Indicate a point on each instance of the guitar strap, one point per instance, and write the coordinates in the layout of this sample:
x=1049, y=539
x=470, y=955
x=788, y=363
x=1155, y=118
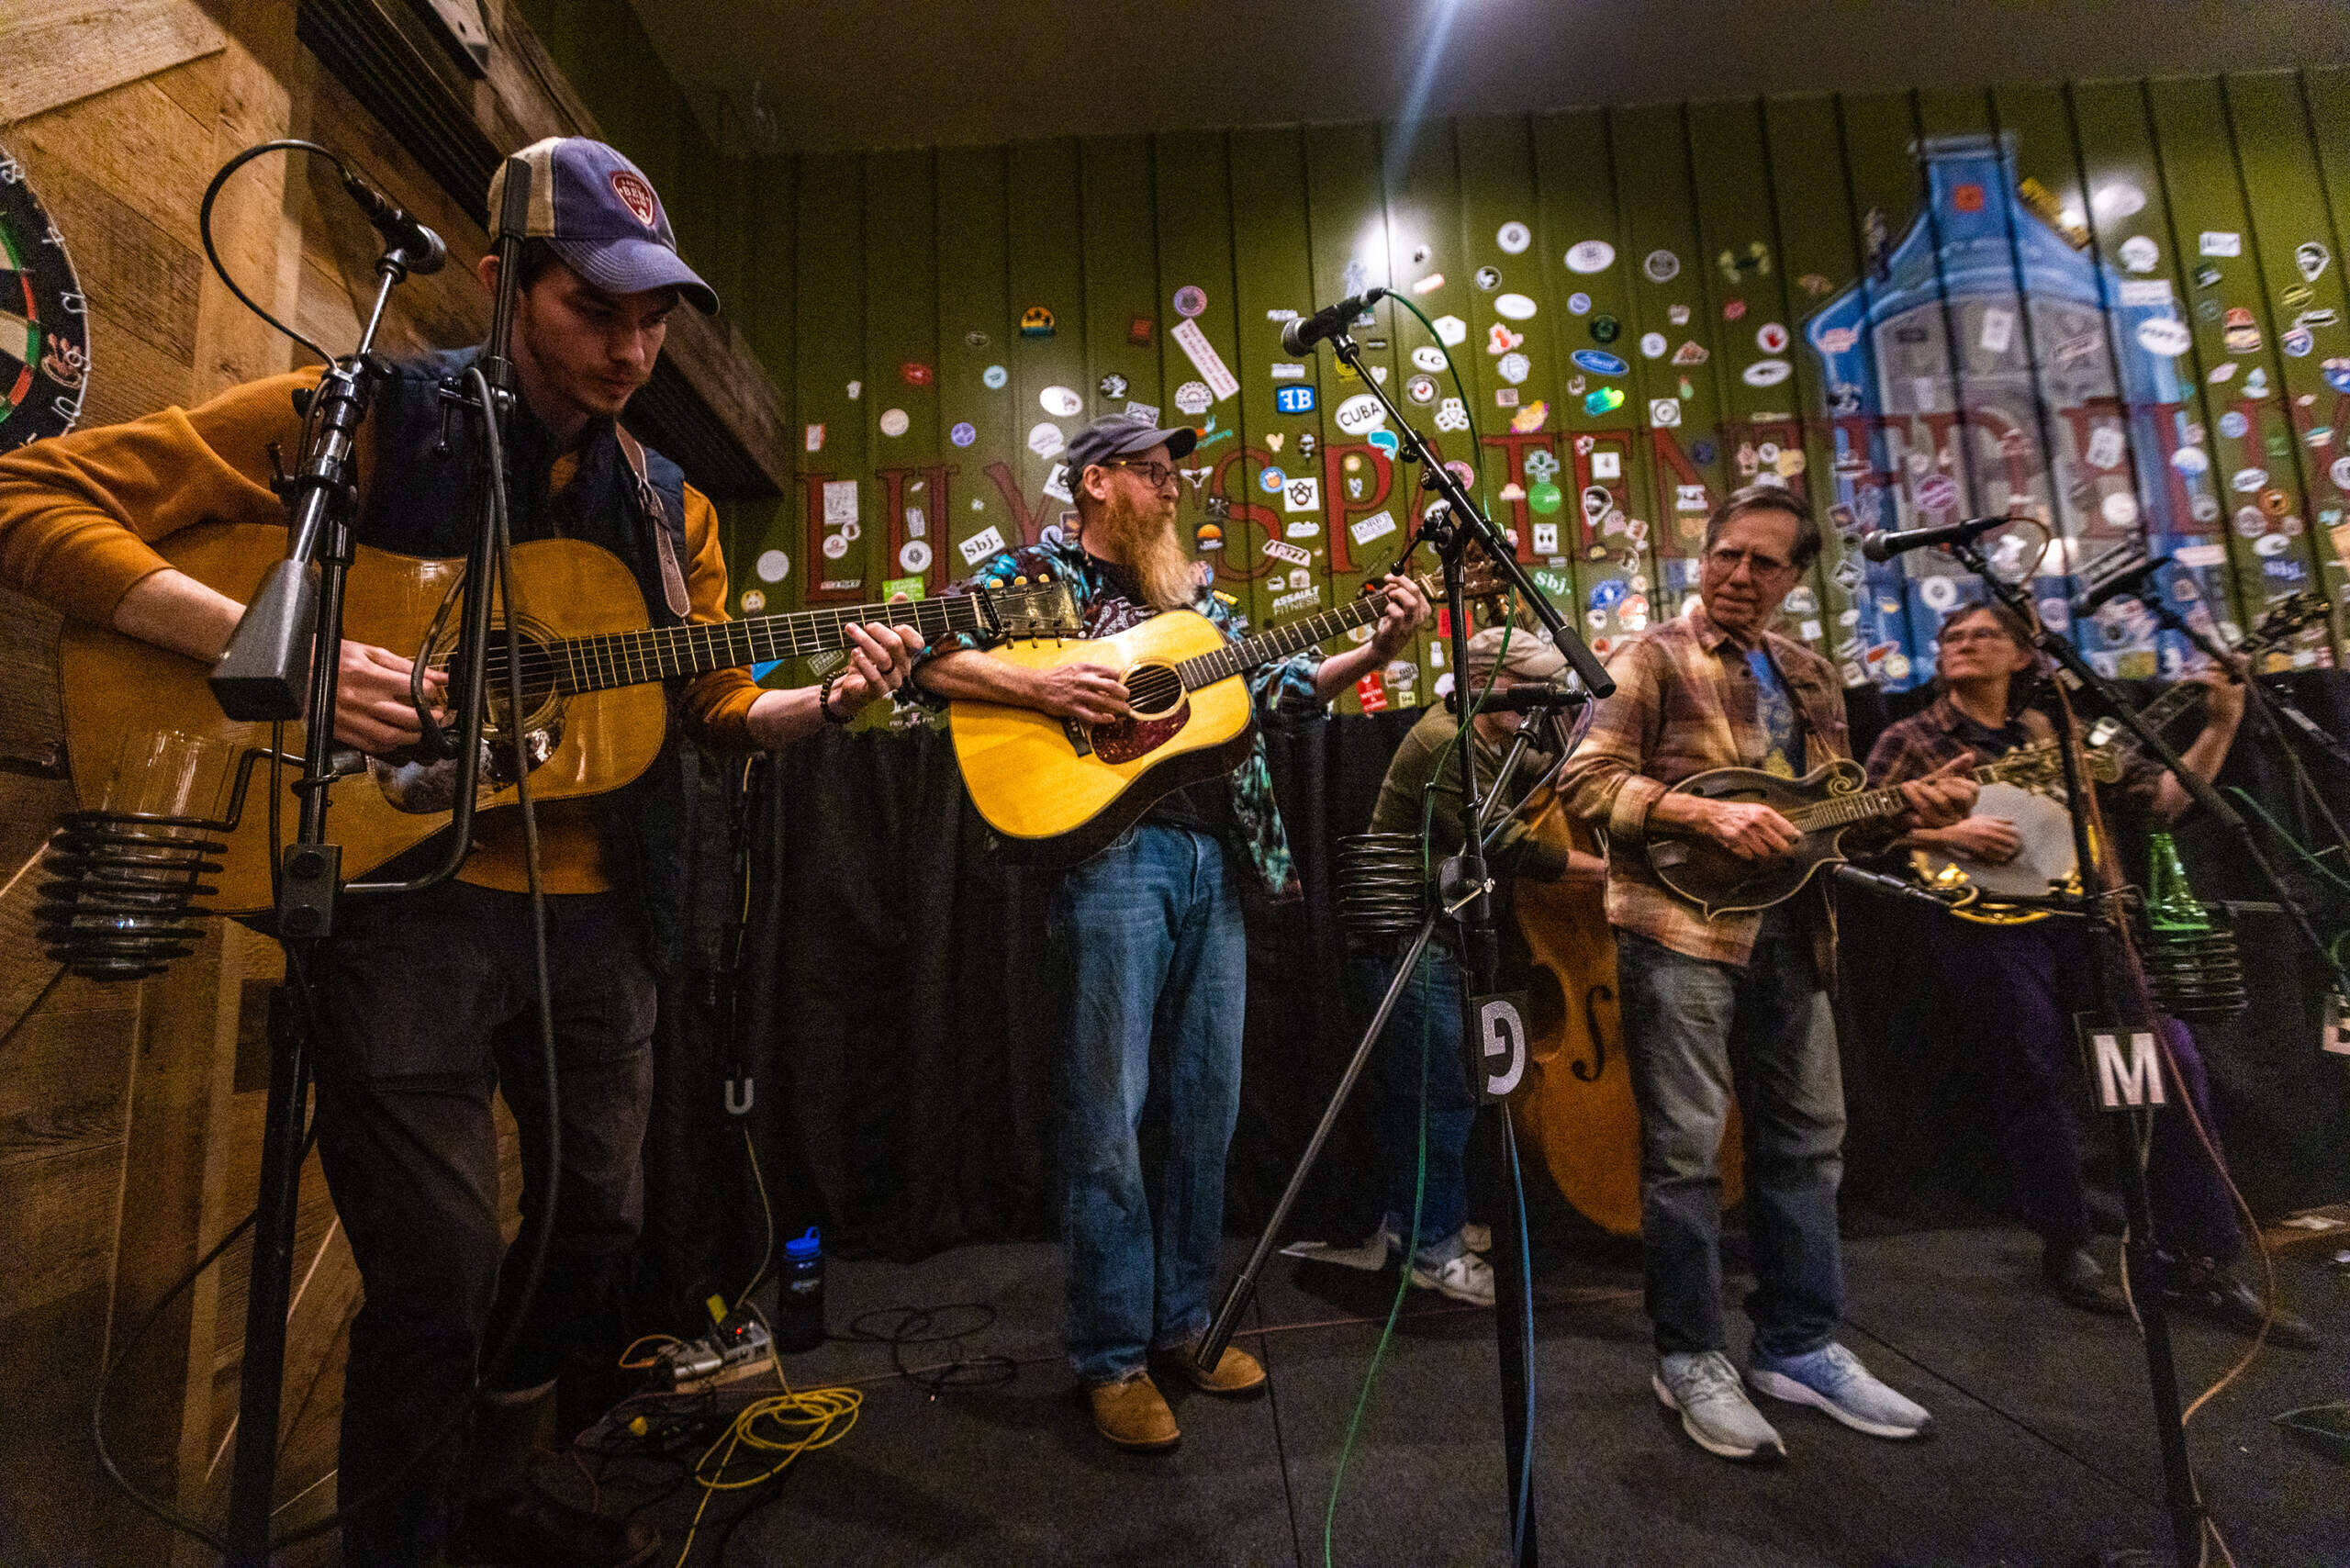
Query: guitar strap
x=656, y=509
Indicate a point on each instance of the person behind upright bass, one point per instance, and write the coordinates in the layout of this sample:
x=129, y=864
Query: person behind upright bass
x=431, y=996
x=1740, y=999
x=1147, y=940
x=2005, y=992
x=1416, y=1073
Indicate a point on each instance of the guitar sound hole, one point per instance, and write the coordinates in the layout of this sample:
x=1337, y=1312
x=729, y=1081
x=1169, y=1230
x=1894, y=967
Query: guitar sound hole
x=1152, y=690
x=538, y=680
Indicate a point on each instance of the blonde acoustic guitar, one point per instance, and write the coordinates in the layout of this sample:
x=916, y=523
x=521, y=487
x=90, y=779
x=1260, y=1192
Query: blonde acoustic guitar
x=592, y=661
x=1058, y=790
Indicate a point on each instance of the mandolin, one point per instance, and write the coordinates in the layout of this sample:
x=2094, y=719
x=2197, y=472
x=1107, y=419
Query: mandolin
x=594, y=713
x=1823, y=806
x=1058, y=790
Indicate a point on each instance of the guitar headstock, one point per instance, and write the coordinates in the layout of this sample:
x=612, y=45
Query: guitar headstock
x=1039, y=612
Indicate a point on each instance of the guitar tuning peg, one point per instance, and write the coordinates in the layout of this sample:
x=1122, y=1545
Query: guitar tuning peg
x=1021, y=581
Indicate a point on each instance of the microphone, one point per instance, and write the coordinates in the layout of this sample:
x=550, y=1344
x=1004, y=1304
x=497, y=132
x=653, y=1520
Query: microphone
x=1529, y=695
x=1302, y=334
x=421, y=250
x=1885, y=546
x=2131, y=578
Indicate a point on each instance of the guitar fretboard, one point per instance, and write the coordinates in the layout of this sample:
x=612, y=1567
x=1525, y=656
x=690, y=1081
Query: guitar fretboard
x=632, y=658
x=1237, y=659
x=1842, y=811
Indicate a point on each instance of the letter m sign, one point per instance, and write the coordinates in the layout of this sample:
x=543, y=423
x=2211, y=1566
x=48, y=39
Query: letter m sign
x=2126, y=1066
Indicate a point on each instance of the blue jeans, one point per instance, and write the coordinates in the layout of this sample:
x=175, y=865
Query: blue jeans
x=1695, y=1031
x=1149, y=945
x=1399, y=1072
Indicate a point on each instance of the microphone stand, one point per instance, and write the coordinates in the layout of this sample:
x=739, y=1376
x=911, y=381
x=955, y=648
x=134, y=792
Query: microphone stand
x=284, y=662
x=1448, y=524
x=2111, y=956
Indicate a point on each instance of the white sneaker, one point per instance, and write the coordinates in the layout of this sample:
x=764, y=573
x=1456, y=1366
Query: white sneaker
x=1466, y=1278
x=1832, y=1379
x=1702, y=1386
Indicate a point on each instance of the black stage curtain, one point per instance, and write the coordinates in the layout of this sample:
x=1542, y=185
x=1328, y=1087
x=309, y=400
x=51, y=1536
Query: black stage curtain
x=893, y=1012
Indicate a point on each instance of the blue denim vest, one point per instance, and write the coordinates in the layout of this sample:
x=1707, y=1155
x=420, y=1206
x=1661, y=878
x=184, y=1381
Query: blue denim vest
x=419, y=502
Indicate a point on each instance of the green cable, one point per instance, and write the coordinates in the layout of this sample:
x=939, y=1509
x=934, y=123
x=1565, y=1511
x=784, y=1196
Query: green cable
x=2295, y=844
x=1420, y=1174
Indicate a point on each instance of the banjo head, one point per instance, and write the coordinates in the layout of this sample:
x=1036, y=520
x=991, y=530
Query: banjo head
x=2046, y=858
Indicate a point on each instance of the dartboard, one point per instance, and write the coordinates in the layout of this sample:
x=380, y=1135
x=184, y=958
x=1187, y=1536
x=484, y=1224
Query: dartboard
x=44, y=332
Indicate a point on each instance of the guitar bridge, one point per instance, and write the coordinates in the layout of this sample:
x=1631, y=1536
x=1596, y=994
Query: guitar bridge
x=1079, y=735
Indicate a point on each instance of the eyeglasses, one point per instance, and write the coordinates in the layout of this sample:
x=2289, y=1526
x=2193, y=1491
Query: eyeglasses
x=1974, y=634
x=1158, y=476
x=1727, y=562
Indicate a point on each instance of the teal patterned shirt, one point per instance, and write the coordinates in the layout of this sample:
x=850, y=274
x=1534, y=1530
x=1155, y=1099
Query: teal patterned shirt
x=1108, y=602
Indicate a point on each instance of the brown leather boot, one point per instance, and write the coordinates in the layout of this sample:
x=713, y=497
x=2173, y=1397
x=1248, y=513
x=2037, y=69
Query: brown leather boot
x=508, y=1520
x=1134, y=1415
x=1237, y=1372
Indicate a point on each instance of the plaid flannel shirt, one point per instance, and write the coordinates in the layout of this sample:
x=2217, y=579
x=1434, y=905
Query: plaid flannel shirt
x=1107, y=603
x=1937, y=732
x=1685, y=702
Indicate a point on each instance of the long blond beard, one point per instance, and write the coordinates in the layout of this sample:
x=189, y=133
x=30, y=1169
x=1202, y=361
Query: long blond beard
x=1144, y=543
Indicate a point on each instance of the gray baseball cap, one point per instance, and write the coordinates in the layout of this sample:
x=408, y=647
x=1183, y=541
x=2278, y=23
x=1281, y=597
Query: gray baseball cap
x=1113, y=436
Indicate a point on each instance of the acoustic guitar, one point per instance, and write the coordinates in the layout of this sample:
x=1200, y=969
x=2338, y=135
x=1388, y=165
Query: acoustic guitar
x=1823, y=806
x=595, y=714
x=1058, y=790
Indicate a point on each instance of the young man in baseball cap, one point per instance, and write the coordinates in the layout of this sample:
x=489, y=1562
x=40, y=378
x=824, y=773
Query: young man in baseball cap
x=429, y=998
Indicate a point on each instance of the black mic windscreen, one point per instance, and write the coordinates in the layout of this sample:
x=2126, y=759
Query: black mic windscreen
x=1291, y=339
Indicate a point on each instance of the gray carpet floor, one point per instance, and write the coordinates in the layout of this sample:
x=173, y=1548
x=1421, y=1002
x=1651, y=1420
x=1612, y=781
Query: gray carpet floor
x=2042, y=1454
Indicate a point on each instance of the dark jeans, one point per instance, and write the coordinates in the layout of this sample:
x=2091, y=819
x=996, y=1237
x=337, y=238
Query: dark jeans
x=1695, y=1031
x=432, y=1005
x=1403, y=1068
x=2008, y=995
x=1149, y=945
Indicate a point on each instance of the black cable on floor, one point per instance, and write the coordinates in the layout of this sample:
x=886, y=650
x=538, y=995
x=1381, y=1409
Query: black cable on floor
x=921, y=1325
x=1281, y=1447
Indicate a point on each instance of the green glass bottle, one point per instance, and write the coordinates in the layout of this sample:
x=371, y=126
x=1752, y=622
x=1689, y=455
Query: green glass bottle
x=2171, y=904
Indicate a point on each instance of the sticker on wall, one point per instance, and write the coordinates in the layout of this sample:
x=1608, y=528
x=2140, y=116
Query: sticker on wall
x=2191, y=461
x=1515, y=306
x=1653, y=345
x=1599, y=363
x=815, y=438
x=1660, y=266
x=1360, y=413
x=1452, y=415
x=1191, y=300
x=773, y=566
x=1114, y=386
x=840, y=503
x=1605, y=329
x=995, y=378
x=1514, y=237
x=1531, y=418
x=1036, y=322
x=1488, y=278
x=1061, y=402
x=2312, y=258
x=1691, y=353
x=2138, y=254
x=855, y=390
x=1500, y=339
x=2164, y=335
x=913, y=556
x=1450, y=331
x=1770, y=337
x=2220, y=242
x=1607, y=401
x=893, y=421
x=1514, y=368
x=752, y=601
x=1270, y=480
x=1205, y=359
x=2120, y=509
x=1293, y=399
x=1420, y=389
x=1193, y=397
x=1302, y=494
x=1590, y=256
x=1046, y=440
x=2121, y=200
x=1664, y=413
x=964, y=433
x=835, y=547
x=987, y=541
x=913, y=373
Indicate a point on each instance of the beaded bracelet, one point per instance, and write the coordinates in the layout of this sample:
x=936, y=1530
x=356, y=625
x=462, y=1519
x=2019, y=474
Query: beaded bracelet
x=824, y=701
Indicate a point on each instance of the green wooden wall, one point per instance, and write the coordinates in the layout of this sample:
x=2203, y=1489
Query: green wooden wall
x=887, y=292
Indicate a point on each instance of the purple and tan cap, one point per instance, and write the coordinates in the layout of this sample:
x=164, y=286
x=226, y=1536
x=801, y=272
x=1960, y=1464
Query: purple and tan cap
x=598, y=212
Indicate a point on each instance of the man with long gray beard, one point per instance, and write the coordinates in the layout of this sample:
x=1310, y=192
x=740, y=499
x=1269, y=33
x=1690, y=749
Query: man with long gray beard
x=1148, y=939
